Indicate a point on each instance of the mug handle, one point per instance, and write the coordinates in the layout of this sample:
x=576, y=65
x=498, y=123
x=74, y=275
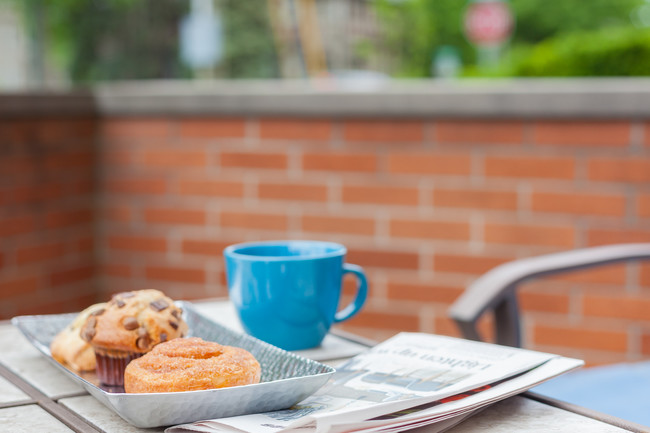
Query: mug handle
x=362, y=291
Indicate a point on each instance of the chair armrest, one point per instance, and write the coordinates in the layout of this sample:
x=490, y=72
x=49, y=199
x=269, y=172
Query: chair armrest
x=496, y=289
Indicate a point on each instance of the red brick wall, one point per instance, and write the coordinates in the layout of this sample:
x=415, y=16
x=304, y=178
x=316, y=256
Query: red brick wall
x=425, y=206
x=47, y=261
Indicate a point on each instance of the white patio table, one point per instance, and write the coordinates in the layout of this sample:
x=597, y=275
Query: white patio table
x=36, y=397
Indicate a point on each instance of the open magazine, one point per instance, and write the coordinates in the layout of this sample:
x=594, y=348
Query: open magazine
x=408, y=381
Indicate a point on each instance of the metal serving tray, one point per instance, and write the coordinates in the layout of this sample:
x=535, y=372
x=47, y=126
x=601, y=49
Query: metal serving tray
x=286, y=378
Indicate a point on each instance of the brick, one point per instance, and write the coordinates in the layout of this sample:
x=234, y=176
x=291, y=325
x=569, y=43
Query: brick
x=579, y=204
x=175, y=159
x=630, y=170
x=430, y=164
x=121, y=214
x=647, y=134
x=575, y=133
x=254, y=160
x=344, y=162
x=11, y=165
x=292, y=191
x=253, y=220
x=16, y=131
x=349, y=289
x=425, y=293
x=579, y=338
x=383, y=131
x=12, y=226
x=85, y=244
x=476, y=131
x=444, y=230
x=81, y=188
x=643, y=205
x=204, y=248
x=72, y=275
x=118, y=158
x=137, y=244
x=10, y=287
x=132, y=128
x=211, y=188
x=18, y=165
x=59, y=130
x=39, y=253
x=383, y=259
x=70, y=160
x=474, y=199
x=616, y=236
x=116, y=270
x=174, y=216
x=519, y=234
x=644, y=274
x=466, y=264
x=544, y=302
x=175, y=274
x=645, y=344
x=620, y=307
x=446, y=326
x=154, y=186
x=295, y=129
x=212, y=128
x=385, y=320
x=37, y=193
x=68, y=218
x=610, y=274
x=335, y=225
x=387, y=195
x=530, y=167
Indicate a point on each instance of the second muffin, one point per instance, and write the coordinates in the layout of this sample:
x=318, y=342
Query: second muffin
x=130, y=326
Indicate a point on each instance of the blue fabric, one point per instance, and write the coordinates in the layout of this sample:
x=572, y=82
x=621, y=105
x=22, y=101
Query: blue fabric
x=621, y=390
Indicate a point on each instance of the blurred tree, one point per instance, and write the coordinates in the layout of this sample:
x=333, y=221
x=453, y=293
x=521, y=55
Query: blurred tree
x=99, y=40
x=541, y=19
x=412, y=30
x=415, y=29
x=104, y=40
x=622, y=51
x=249, y=47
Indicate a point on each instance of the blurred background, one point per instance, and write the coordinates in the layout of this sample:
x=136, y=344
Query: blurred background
x=74, y=43
x=138, y=138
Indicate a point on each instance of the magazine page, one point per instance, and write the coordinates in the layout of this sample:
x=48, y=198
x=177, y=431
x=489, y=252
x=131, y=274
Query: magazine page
x=407, y=370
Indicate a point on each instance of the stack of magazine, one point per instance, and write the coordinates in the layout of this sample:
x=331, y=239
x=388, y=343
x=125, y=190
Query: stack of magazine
x=408, y=381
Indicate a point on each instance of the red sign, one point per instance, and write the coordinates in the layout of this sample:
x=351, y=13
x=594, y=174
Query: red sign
x=488, y=22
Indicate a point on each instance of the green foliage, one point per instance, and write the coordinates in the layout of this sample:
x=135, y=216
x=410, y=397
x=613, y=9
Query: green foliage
x=541, y=19
x=111, y=39
x=415, y=29
x=103, y=40
x=99, y=40
x=609, y=52
x=249, y=51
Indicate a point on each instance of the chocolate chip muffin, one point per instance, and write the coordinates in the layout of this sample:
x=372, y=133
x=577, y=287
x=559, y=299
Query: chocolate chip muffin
x=131, y=325
x=70, y=349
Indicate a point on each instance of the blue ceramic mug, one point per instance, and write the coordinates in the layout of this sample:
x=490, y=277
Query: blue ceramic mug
x=287, y=292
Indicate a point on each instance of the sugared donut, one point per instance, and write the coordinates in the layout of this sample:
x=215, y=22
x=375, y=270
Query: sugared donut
x=190, y=364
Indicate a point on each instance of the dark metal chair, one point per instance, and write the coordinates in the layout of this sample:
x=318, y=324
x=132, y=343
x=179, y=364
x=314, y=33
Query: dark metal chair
x=496, y=291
